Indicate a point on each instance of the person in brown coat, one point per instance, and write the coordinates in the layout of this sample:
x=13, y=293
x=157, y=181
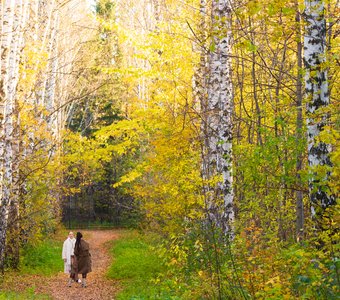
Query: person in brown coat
x=83, y=257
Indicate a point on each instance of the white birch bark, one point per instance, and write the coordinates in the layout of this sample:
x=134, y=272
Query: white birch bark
x=53, y=66
x=14, y=18
x=46, y=15
x=21, y=16
x=317, y=94
x=218, y=136
x=43, y=35
x=7, y=124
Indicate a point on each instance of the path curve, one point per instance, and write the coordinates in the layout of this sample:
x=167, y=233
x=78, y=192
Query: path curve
x=98, y=286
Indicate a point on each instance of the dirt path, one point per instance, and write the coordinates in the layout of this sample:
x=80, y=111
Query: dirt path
x=98, y=287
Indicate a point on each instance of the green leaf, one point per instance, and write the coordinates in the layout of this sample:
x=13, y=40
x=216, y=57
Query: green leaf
x=288, y=11
x=251, y=47
x=212, y=47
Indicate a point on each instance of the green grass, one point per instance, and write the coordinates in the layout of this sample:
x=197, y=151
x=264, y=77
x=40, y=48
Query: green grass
x=43, y=258
x=136, y=265
x=27, y=295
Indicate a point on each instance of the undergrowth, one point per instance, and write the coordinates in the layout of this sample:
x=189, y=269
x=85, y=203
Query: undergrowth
x=137, y=266
x=43, y=258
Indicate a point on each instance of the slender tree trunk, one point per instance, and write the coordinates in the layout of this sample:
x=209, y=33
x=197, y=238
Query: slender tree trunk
x=257, y=105
x=14, y=18
x=52, y=65
x=7, y=124
x=21, y=15
x=317, y=93
x=12, y=247
x=299, y=136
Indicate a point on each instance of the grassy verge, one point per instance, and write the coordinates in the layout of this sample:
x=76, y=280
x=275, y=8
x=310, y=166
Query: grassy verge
x=42, y=259
x=26, y=295
x=137, y=266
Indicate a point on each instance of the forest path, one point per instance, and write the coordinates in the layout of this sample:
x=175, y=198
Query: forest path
x=98, y=286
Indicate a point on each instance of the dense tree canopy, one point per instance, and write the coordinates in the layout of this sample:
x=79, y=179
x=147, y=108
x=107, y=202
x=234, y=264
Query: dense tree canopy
x=214, y=124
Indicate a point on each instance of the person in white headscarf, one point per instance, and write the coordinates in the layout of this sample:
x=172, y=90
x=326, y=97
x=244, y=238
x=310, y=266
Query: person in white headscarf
x=68, y=252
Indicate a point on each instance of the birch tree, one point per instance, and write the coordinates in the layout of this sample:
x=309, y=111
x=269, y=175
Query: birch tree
x=7, y=19
x=317, y=94
x=20, y=19
x=218, y=117
x=13, y=19
x=30, y=36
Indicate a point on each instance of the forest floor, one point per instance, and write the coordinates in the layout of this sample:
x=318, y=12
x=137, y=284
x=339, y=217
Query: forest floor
x=98, y=286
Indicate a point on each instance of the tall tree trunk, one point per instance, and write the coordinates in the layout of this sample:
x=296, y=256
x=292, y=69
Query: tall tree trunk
x=219, y=108
x=21, y=15
x=14, y=18
x=6, y=124
x=299, y=137
x=254, y=77
x=317, y=93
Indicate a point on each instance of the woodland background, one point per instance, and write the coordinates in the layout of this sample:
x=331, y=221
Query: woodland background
x=203, y=122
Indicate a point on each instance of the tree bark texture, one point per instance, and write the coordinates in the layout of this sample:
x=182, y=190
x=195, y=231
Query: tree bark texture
x=217, y=111
x=317, y=94
x=13, y=18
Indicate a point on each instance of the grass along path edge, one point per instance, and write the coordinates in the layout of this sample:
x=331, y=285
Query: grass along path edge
x=136, y=265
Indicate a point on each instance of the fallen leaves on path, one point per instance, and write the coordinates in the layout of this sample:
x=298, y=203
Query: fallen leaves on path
x=98, y=286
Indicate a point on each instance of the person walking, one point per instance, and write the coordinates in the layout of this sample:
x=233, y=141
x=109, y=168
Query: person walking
x=83, y=257
x=67, y=256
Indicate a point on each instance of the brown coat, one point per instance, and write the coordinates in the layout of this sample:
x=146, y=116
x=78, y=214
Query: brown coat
x=83, y=257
